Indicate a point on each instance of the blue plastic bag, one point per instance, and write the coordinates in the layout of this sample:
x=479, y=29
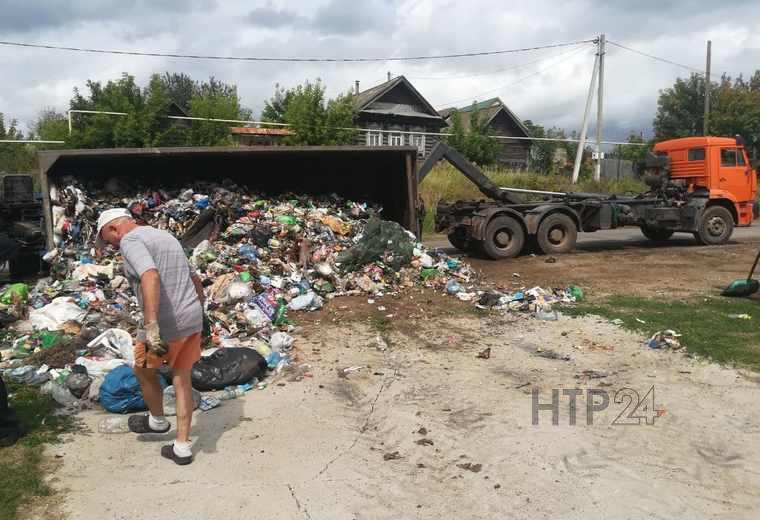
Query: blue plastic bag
x=120, y=392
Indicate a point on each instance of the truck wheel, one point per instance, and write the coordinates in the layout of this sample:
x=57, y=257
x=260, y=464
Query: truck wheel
x=715, y=226
x=504, y=238
x=458, y=240
x=656, y=234
x=557, y=234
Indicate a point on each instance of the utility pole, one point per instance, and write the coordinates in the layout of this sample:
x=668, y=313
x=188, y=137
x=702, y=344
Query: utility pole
x=584, y=127
x=599, y=109
x=706, y=119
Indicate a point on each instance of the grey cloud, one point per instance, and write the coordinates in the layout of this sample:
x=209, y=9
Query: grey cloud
x=21, y=16
x=336, y=18
x=273, y=18
x=351, y=17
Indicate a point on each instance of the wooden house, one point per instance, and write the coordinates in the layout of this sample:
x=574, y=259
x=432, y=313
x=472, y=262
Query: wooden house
x=394, y=113
x=501, y=121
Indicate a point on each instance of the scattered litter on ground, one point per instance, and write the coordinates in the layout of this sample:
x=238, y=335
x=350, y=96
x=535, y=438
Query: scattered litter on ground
x=469, y=466
x=551, y=354
x=740, y=316
x=262, y=260
x=665, y=339
x=484, y=354
x=394, y=455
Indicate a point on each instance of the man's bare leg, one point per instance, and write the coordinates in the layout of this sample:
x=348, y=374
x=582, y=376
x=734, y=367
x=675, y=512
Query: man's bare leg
x=183, y=388
x=151, y=389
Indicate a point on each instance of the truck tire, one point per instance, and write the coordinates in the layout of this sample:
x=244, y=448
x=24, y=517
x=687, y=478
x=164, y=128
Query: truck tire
x=656, y=234
x=557, y=234
x=504, y=238
x=458, y=240
x=715, y=226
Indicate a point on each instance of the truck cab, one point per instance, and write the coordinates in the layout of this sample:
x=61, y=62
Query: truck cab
x=717, y=168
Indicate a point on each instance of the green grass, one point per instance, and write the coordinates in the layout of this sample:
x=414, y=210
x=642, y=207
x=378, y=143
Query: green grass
x=704, y=323
x=446, y=183
x=21, y=465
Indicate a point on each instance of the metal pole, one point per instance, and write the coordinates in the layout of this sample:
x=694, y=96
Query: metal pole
x=706, y=120
x=584, y=127
x=599, y=110
x=69, y=122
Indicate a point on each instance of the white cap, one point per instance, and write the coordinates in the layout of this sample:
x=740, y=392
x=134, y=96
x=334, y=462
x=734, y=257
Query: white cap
x=106, y=217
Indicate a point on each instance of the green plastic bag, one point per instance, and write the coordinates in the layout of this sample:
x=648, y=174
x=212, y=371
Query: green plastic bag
x=428, y=273
x=576, y=292
x=19, y=290
x=287, y=220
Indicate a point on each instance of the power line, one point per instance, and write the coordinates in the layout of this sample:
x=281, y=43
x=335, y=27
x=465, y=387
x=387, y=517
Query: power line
x=272, y=59
x=520, y=80
x=491, y=72
x=657, y=58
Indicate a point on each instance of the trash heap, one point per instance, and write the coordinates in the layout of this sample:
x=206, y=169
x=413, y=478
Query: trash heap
x=262, y=259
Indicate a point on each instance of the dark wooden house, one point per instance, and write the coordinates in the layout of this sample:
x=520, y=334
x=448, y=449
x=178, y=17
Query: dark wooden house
x=514, y=153
x=394, y=113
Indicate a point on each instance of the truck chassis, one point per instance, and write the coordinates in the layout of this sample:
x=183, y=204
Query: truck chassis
x=500, y=228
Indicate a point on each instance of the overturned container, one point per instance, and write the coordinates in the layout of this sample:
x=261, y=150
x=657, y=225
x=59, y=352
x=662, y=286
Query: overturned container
x=385, y=175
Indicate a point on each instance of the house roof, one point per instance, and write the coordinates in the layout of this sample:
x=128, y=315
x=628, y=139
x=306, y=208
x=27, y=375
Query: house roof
x=366, y=98
x=488, y=109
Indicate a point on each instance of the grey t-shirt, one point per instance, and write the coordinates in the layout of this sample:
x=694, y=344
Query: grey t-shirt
x=179, y=312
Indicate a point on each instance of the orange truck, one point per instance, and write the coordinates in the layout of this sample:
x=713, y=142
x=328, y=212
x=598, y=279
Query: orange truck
x=716, y=171
x=699, y=185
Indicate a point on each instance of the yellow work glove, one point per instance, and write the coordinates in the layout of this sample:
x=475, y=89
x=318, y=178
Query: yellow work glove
x=153, y=341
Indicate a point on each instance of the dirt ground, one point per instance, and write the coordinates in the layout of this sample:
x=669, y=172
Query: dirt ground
x=678, y=268
x=426, y=429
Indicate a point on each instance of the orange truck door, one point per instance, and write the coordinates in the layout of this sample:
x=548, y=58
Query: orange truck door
x=734, y=174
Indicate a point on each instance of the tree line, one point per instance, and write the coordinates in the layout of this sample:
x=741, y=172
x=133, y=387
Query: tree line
x=318, y=120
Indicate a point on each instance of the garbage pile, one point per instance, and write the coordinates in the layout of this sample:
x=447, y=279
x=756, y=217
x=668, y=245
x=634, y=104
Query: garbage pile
x=262, y=259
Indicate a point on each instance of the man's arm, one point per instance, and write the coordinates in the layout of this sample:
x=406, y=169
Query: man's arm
x=198, y=288
x=150, y=285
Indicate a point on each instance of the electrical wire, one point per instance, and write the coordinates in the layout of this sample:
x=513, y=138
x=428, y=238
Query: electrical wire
x=520, y=80
x=489, y=73
x=273, y=59
x=657, y=58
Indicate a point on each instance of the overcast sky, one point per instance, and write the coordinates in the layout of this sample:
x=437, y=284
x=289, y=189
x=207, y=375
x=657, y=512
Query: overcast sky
x=547, y=86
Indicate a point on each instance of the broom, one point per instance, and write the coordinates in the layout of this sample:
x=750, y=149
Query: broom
x=744, y=287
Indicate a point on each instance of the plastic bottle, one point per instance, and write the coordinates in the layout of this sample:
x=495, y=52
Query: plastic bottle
x=114, y=425
x=547, y=315
x=233, y=392
x=273, y=359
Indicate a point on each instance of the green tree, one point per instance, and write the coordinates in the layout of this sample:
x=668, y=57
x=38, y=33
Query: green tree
x=633, y=153
x=51, y=125
x=215, y=100
x=14, y=157
x=145, y=122
x=680, y=109
x=476, y=142
x=180, y=88
x=314, y=120
x=734, y=109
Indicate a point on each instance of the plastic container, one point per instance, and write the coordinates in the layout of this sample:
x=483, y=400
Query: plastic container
x=111, y=425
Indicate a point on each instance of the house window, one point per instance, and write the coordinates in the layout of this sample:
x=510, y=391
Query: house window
x=696, y=154
x=418, y=140
x=396, y=139
x=374, y=139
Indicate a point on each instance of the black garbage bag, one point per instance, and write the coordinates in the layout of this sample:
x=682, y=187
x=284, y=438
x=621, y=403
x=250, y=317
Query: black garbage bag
x=227, y=367
x=382, y=240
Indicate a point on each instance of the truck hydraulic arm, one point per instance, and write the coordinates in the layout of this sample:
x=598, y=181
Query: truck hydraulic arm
x=484, y=184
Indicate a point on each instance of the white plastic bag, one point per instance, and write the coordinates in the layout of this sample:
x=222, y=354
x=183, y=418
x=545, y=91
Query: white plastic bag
x=117, y=341
x=56, y=313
